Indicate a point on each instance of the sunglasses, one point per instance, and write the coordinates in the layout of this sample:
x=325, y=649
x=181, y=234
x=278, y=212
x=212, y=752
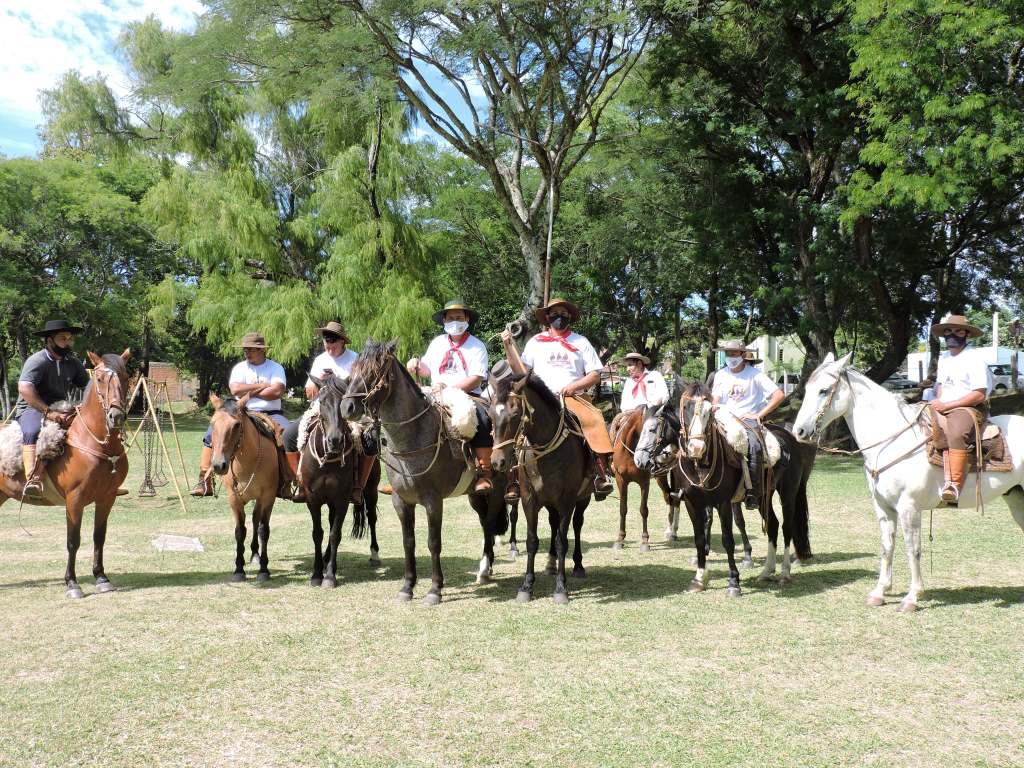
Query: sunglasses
x=330, y=338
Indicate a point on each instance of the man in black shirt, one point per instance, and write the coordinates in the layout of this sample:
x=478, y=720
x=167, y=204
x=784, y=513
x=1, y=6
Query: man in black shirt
x=47, y=377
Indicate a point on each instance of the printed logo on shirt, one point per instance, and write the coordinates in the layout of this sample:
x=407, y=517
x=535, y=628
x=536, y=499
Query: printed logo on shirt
x=737, y=392
x=559, y=359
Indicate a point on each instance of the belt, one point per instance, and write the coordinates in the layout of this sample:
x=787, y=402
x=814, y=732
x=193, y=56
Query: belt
x=269, y=413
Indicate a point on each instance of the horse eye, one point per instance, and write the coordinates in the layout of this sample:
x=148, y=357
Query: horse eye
x=824, y=391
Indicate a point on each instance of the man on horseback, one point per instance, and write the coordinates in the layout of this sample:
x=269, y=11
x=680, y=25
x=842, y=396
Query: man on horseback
x=47, y=377
x=264, y=381
x=458, y=359
x=568, y=364
x=963, y=384
x=750, y=396
x=645, y=388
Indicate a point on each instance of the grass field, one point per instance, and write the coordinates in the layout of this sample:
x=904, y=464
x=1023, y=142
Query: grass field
x=180, y=667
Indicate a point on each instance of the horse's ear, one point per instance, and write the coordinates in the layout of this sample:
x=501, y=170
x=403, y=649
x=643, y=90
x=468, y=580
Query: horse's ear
x=95, y=359
x=391, y=346
x=243, y=401
x=829, y=358
x=215, y=401
x=126, y=354
x=844, y=361
x=319, y=382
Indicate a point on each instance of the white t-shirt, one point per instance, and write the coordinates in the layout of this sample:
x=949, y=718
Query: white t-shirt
x=472, y=362
x=339, y=366
x=557, y=366
x=743, y=393
x=266, y=372
x=656, y=391
x=962, y=373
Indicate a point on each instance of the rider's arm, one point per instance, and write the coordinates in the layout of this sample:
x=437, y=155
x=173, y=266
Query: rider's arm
x=773, y=402
x=469, y=384
x=515, y=362
x=582, y=384
x=971, y=399
x=272, y=391
x=28, y=393
x=416, y=367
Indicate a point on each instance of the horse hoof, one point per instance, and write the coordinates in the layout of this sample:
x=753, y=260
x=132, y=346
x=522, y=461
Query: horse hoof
x=617, y=546
x=514, y=551
x=907, y=607
x=432, y=598
x=523, y=596
x=238, y=577
x=579, y=572
x=263, y=576
x=483, y=578
x=874, y=601
x=315, y=582
x=748, y=563
x=733, y=592
x=329, y=584
x=403, y=596
x=695, y=586
x=645, y=547
x=374, y=560
x=74, y=593
x=765, y=577
x=785, y=580
x=561, y=598
x=103, y=587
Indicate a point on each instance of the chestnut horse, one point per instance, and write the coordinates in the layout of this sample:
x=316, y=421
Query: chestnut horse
x=247, y=459
x=92, y=467
x=626, y=472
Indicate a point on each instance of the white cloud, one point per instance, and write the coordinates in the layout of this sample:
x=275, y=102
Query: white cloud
x=43, y=39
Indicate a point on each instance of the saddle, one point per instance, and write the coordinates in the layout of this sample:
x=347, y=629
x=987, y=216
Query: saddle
x=735, y=434
x=458, y=412
x=995, y=457
x=267, y=427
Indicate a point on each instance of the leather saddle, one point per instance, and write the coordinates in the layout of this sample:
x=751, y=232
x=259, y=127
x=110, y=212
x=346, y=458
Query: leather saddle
x=995, y=456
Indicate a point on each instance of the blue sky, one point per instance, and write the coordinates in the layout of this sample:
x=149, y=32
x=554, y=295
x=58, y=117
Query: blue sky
x=43, y=39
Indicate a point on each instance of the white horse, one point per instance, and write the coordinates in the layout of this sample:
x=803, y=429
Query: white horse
x=891, y=435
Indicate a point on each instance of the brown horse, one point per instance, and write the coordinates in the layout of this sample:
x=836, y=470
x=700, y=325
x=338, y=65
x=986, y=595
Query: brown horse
x=626, y=472
x=91, y=468
x=247, y=459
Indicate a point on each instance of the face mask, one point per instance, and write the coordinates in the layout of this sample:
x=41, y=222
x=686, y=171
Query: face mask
x=61, y=351
x=954, y=342
x=456, y=327
x=734, y=362
x=560, y=323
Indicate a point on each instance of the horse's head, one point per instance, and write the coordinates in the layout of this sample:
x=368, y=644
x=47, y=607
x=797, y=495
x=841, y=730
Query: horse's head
x=827, y=396
x=110, y=383
x=329, y=399
x=659, y=433
x=371, y=379
x=226, y=436
x=509, y=415
x=696, y=417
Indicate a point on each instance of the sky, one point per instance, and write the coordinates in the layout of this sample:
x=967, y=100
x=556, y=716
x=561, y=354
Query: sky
x=43, y=39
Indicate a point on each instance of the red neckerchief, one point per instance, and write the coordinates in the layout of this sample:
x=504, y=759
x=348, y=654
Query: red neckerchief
x=552, y=336
x=454, y=348
x=640, y=385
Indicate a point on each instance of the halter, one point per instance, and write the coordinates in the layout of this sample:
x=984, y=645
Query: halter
x=236, y=451
x=103, y=377
x=521, y=441
x=713, y=455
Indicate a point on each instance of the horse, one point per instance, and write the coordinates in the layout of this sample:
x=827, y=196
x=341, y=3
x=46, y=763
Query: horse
x=553, y=468
x=425, y=465
x=327, y=470
x=892, y=436
x=91, y=468
x=708, y=471
x=246, y=457
x=626, y=472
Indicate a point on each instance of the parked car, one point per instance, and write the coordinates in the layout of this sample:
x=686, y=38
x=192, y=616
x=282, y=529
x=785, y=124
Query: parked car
x=793, y=380
x=899, y=382
x=1002, y=377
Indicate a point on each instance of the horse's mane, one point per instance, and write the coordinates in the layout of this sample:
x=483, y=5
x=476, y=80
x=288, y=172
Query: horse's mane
x=695, y=390
x=504, y=387
x=115, y=364
x=376, y=355
x=229, y=405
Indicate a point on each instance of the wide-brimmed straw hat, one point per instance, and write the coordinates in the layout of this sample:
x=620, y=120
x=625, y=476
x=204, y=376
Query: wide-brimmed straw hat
x=751, y=358
x=733, y=345
x=337, y=329
x=542, y=312
x=956, y=323
x=638, y=357
x=57, y=326
x=472, y=314
x=253, y=341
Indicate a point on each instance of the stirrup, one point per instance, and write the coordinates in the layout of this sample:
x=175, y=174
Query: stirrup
x=33, y=489
x=950, y=495
x=750, y=500
x=512, y=493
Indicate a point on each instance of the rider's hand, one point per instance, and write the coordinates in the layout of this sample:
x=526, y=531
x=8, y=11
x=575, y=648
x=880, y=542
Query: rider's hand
x=506, y=337
x=436, y=389
x=61, y=419
x=413, y=365
x=939, y=406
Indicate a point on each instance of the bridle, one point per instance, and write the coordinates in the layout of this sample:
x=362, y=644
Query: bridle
x=329, y=457
x=712, y=457
x=102, y=380
x=236, y=451
x=521, y=441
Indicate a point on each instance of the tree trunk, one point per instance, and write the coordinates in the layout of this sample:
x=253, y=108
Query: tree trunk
x=713, y=327
x=532, y=248
x=147, y=345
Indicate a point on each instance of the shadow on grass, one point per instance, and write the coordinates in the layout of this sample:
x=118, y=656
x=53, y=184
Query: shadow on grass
x=1003, y=597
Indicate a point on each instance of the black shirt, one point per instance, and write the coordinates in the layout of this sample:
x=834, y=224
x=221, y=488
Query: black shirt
x=52, y=377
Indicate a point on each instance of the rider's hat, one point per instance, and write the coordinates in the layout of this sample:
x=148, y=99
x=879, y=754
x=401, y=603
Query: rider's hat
x=955, y=322
x=542, y=312
x=57, y=326
x=638, y=357
x=750, y=357
x=472, y=314
x=337, y=329
x=253, y=341
x=733, y=345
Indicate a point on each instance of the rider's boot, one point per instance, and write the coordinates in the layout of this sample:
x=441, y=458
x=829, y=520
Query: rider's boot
x=602, y=486
x=33, y=485
x=484, y=472
x=204, y=487
x=956, y=461
x=298, y=494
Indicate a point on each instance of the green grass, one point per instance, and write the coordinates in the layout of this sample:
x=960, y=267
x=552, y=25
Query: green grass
x=180, y=667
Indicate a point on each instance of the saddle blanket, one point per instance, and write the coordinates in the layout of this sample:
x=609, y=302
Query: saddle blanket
x=736, y=435
x=459, y=409
x=310, y=419
x=49, y=446
x=995, y=456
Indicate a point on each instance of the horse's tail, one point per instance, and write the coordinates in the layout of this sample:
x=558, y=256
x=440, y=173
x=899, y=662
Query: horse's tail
x=359, y=521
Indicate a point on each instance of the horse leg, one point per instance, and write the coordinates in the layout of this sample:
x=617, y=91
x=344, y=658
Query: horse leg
x=338, y=510
x=482, y=505
x=99, y=537
x=561, y=537
x=785, y=575
x=709, y=518
x=513, y=519
x=371, y=520
x=741, y=523
x=264, y=533
x=887, y=532
x=697, y=515
x=254, y=546
x=74, y=508
x=910, y=521
x=1015, y=501
x=673, y=509
x=645, y=537
x=578, y=571
x=623, y=487
x=435, y=509
x=729, y=544
x=530, y=511
x=407, y=517
x=238, y=510
x=772, y=531
x=318, y=541
x=553, y=523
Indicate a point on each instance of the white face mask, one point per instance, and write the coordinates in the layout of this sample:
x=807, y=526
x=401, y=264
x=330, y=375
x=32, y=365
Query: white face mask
x=456, y=327
x=734, y=362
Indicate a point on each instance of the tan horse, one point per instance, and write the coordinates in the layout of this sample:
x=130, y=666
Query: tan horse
x=247, y=460
x=91, y=468
x=626, y=472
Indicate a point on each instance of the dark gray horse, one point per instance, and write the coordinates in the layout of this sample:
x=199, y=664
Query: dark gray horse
x=553, y=466
x=425, y=466
x=327, y=472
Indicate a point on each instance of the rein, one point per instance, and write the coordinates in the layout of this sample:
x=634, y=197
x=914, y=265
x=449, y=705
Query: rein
x=103, y=398
x=714, y=454
x=521, y=441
